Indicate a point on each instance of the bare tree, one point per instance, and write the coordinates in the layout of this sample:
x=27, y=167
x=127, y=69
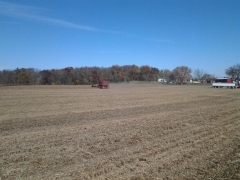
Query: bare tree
x=199, y=74
x=209, y=77
x=234, y=71
x=182, y=73
x=7, y=77
x=166, y=74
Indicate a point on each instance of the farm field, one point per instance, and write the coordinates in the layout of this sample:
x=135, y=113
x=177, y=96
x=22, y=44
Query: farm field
x=130, y=131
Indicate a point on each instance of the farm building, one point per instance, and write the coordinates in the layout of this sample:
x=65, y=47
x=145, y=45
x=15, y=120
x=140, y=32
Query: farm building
x=162, y=80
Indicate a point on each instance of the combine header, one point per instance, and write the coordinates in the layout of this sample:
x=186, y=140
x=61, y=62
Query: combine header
x=101, y=85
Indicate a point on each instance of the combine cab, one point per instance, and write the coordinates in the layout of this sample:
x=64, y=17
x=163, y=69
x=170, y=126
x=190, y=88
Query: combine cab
x=102, y=85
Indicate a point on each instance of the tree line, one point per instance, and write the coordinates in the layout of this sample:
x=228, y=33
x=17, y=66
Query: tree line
x=90, y=75
x=115, y=73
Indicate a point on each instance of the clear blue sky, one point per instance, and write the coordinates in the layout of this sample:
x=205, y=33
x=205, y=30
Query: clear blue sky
x=53, y=34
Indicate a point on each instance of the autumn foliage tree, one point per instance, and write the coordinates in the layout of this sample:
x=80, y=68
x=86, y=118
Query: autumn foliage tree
x=45, y=76
x=133, y=73
x=117, y=73
x=89, y=75
x=95, y=75
x=145, y=72
x=182, y=73
x=24, y=78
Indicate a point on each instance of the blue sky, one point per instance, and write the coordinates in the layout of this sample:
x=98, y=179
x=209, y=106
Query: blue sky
x=53, y=34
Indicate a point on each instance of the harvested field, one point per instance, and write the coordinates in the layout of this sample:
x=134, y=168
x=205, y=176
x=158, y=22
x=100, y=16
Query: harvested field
x=130, y=131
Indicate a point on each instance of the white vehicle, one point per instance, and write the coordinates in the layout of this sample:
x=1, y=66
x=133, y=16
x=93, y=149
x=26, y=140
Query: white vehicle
x=225, y=82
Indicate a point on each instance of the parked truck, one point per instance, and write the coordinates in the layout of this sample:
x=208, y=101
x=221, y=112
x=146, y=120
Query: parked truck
x=226, y=82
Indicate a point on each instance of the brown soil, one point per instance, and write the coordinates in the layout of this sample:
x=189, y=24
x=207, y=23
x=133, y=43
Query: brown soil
x=130, y=131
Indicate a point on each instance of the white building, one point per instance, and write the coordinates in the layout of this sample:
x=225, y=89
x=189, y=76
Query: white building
x=162, y=80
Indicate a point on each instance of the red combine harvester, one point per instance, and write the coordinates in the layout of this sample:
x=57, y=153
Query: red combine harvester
x=101, y=85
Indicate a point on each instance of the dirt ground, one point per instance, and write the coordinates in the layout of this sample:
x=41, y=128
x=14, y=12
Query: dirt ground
x=130, y=131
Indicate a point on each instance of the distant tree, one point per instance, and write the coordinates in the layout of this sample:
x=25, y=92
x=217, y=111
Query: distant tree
x=233, y=71
x=171, y=76
x=134, y=73
x=165, y=74
x=199, y=74
x=125, y=69
x=1, y=77
x=155, y=73
x=208, y=77
x=68, y=79
x=18, y=76
x=182, y=73
x=45, y=77
x=103, y=74
x=7, y=77
x=117, y=74
x=81, y=75
x=95, y=75
x=24, y=77
x=145, y=73
x=16, y=73
x=55, y=77
x=34, y=76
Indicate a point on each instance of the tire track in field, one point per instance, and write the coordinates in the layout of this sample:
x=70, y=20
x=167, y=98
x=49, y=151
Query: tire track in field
x=169, y=153
x=141, y=140
x=125, y=131
x=88, y=117
x=128, y=129
x=171, y=149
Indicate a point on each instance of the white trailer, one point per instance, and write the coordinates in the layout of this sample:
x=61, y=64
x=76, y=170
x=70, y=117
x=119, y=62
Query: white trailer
x=226, y=82
x=227, y=85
